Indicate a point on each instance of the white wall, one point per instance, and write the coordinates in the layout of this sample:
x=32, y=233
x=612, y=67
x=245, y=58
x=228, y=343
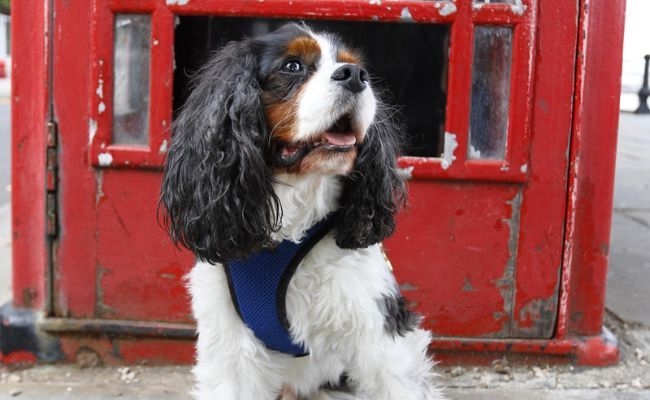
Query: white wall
x=636, y=45
x=4, y=27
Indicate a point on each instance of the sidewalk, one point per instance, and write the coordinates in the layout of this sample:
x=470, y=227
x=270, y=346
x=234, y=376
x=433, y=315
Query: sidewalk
x=628, y=304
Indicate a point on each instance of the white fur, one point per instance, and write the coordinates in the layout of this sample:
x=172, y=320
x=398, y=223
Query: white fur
x=332, y=308
x=322, y=101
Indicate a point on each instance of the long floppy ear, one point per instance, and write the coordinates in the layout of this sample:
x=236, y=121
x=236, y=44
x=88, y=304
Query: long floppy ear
x=375, y=190
x=217, y=188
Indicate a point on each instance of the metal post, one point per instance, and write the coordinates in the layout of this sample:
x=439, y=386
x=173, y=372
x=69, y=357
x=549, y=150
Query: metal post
x=645, y=91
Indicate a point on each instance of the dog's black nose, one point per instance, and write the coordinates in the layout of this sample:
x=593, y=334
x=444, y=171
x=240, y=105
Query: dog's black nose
x=352, y=77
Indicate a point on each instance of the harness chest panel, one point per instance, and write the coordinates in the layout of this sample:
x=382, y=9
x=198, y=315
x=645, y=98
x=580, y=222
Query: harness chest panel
x=258, y=287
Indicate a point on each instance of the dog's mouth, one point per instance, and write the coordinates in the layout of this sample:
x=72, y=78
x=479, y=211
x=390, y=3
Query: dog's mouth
x=340, y=137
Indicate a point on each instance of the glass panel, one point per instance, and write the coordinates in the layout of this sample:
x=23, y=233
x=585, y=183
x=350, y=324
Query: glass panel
x=407, y=63
x=131, y=56
x=490, y=92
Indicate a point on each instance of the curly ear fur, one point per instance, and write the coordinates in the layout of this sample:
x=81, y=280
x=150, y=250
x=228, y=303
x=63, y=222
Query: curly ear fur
x=217, y=189
x=375, y=190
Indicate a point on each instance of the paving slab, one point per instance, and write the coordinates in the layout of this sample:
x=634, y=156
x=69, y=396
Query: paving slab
x=627, y=295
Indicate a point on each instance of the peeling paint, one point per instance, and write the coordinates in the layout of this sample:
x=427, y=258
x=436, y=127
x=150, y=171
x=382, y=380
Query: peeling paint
x=518, y=8
x=406, y=173
x=406, y=16
x=101, y=308
x=407, y=287
x=448, y=9
x=537, y=318
x=504, y=167
x=524, y=168
x=105, y=159
x=155, y=42
x=505, y=283
x=92, y=129
x=101, y=107
x=375, y=2
x=467, y=286
x=100, y=88
x=163, y=147
x=99, y=185
x=178, y=2
x=450, y=146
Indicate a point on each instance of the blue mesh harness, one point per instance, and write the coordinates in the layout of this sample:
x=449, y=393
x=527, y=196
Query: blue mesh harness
x=258, y=287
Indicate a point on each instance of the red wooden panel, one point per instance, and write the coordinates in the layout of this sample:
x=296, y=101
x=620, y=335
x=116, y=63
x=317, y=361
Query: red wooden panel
x=452, y=257
x=385, y=10
x=540, y=242
x=593, y=154
x=74, y=274
x=139, y=271
x=29, y=114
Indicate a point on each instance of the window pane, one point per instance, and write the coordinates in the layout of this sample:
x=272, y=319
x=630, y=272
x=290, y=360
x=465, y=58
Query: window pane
x=131, y=79
x=490, y=92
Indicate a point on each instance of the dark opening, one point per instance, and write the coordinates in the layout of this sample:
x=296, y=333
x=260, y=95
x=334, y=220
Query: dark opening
x=407, y=62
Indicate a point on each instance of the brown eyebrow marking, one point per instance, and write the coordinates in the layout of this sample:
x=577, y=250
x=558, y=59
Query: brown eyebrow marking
x=305, y=47
x=348, y=57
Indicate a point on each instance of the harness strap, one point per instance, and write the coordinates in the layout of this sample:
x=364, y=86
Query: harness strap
x=258, y=287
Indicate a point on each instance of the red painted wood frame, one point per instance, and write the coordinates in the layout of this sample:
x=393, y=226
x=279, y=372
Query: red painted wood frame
x=571, y=105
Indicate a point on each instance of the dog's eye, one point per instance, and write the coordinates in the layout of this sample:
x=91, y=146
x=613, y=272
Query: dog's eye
x=292, y=66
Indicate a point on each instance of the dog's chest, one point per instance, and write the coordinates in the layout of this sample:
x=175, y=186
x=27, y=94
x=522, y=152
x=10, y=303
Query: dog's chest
x=335, y=292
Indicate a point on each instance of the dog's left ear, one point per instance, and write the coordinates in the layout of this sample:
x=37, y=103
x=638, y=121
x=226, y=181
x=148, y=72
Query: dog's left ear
x=374, y=191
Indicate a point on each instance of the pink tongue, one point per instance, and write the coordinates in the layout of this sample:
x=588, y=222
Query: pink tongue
x=340, y=139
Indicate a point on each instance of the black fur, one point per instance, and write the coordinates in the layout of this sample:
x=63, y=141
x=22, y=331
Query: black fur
x=217, y=190
x=398, y=319
x=374, y=191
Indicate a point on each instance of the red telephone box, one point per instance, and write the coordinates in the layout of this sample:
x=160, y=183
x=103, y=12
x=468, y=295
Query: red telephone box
x=512, y=108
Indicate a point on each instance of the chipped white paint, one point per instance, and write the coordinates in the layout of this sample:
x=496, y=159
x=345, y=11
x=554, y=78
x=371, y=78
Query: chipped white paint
x=517, y=8
x=375, y=2
x=524, y=168
x=105, y=159
x=447, y=9
x=101, y=107
x=155, y=42
x=504, y=167
x=92, y=129
x=100, y=88
x=163, y=147
x=406, y=173
x=450, y=146
x=406, y=15
x=179, y=2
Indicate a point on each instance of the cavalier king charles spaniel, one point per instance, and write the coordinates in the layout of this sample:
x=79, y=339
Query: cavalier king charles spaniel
x=282, y=179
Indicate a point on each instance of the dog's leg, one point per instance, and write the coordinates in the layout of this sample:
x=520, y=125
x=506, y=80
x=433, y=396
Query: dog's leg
x=231, y=363
x=399, y=368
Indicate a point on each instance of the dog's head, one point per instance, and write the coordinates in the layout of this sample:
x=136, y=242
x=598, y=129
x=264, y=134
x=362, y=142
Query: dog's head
x=292, y=101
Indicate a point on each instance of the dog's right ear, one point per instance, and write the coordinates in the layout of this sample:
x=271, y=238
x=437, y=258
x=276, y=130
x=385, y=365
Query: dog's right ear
x=217, y=188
